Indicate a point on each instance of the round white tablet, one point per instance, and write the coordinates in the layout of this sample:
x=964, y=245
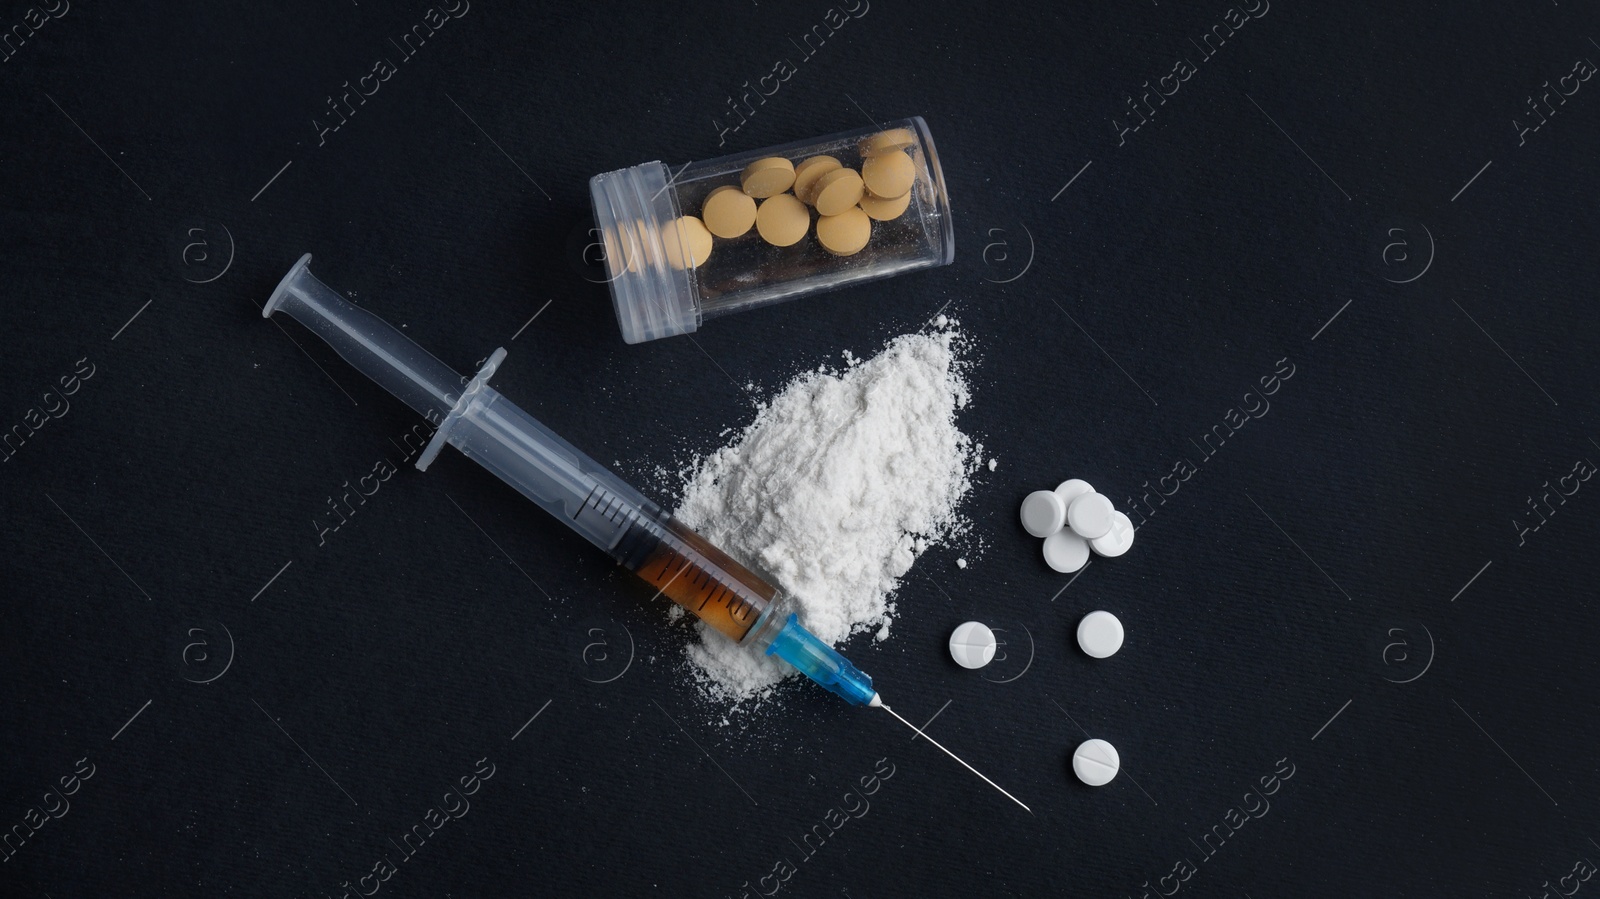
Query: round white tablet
x=1100, y=634
x=1071, y=490
x=1043, y=513
x=1065, y=551
x=1096, y=762
x=1090, y=515
x=1116, y=541
x=972, y=645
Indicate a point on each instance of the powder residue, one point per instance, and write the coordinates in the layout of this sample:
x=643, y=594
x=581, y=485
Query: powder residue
x=842, y=480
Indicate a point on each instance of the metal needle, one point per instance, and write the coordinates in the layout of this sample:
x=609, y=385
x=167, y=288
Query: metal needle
x=957, y=758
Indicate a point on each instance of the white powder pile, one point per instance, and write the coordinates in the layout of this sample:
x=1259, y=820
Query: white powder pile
x=842, y=480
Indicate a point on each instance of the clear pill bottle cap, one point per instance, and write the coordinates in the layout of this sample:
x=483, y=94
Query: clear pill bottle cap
x=667, y=272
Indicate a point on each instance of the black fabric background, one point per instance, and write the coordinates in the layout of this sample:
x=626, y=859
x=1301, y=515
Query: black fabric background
x=1264, y=214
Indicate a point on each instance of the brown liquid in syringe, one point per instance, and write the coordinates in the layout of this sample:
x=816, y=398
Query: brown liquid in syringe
x=706, y=581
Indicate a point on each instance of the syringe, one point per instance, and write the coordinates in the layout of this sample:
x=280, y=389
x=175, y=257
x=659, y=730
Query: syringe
x=475, y=419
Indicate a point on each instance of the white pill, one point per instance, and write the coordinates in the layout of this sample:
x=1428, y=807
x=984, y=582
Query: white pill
x=1071, y=490
x=1065, y=551
x=972, y=645
x=1043, y=513
x=1090, y=515
x=1096, y=762
x=1116, y=541
x=1100, y=634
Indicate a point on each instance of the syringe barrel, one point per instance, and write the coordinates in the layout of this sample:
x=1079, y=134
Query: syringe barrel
x=542, y=466
x=690, y=571
x=561, y=479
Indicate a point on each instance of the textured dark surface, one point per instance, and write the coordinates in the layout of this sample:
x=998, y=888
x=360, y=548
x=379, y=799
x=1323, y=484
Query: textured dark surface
x=1257, y=223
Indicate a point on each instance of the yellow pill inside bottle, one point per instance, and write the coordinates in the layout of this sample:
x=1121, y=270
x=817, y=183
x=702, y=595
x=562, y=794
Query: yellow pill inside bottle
x=889, y=175
x=686, y=242
x=844, y=234
x=885, y=142
x=767, y=177
x=807, y=173
x=728, y=212
x=884, y=210
x=782, y=220
x=837, y=191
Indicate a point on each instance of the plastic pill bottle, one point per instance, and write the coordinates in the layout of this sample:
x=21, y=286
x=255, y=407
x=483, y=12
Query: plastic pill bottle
x=687, y=242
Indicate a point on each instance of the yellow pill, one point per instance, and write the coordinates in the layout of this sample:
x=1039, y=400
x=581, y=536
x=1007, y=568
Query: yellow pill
x=889, y=175
x=782, y=220
x=728, y=211
x=767, y=177
x=846, y=233
x=686, y=238
x=885, y=142
x=837, y=191
x=807, y=173
x=885, y=210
